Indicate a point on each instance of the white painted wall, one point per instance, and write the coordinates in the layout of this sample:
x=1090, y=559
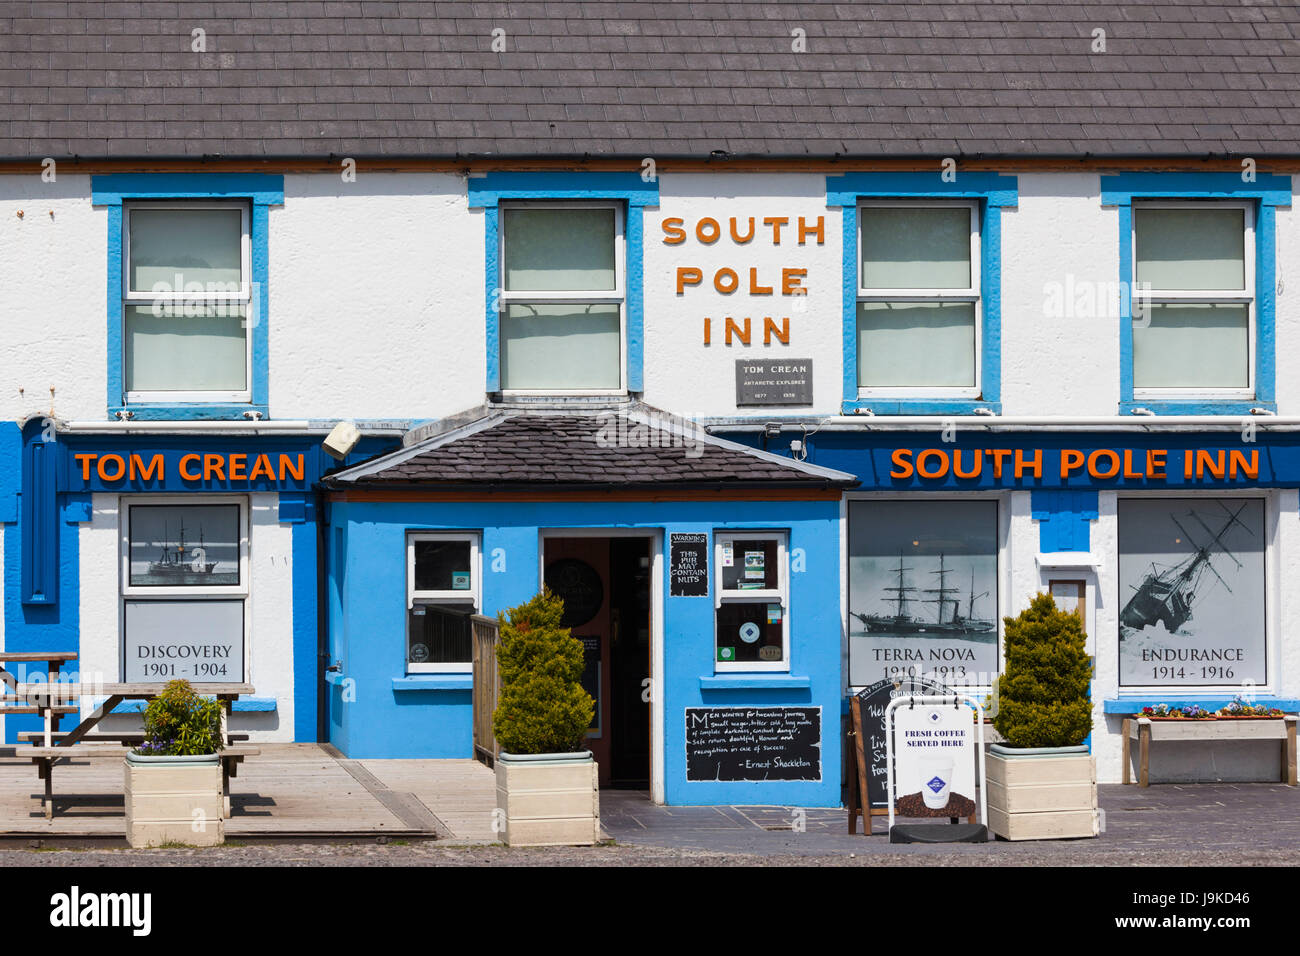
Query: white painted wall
x=689, y=378
x=270, y=638
x=377, y=287
x=376, y=297
x=52, y=298
x=1059, y=238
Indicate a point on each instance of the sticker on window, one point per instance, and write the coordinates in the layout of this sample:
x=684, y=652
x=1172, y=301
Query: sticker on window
x=460, y=581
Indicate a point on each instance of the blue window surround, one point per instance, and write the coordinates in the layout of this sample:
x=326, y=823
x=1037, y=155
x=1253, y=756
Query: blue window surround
x=262, y=191
x=994, y=191
x=1268, y=192
x=486, y=193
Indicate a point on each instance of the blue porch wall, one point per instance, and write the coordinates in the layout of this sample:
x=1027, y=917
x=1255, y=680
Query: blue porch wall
x=368, y=628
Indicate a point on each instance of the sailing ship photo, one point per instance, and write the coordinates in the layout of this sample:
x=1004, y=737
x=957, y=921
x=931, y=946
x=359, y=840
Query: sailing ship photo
x=923, y=590
x=184, y=545
x=1191, y=591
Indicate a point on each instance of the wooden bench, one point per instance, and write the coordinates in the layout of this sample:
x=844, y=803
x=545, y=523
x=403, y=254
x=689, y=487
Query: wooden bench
x=47, y=698
x=1144, y=730
x=126, y=740
x=45, y=759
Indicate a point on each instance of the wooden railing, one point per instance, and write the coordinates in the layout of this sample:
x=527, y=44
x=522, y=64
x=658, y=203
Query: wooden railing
x=487, y=687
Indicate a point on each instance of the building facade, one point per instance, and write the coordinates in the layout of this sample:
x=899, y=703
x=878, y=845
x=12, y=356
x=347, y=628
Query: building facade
x=777, y=428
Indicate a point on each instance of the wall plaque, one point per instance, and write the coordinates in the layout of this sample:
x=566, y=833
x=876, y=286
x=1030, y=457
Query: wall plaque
x=774, y=381
x=688, y=565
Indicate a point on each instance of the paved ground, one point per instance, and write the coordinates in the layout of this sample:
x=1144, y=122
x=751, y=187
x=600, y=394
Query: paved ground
x=1206, y=824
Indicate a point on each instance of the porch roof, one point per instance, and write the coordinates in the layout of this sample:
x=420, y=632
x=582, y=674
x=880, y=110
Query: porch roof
x=635, y=447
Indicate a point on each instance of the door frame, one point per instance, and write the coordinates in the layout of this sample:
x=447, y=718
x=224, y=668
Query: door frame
x=655, y=536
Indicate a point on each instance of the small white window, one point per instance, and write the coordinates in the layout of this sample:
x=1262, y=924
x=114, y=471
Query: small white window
x=184, y=583
x=1193, y=304
x=562, y=315
x=442, y=586
x=751, y=601
x=186, y=293
x=918, y=323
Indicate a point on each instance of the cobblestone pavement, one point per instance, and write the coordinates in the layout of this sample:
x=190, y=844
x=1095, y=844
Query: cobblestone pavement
x=1220, y=825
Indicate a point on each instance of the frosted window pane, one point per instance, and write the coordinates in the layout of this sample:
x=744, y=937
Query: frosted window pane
x=560, y=347
x=1193, y=346
x=1191, y=248
x=559, y=250
x=915, y=248
x=203, y=245
x=177, y=352
x=916, y=343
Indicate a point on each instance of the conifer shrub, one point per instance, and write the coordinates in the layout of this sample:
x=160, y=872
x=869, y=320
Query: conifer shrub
x=1043, y=691
x=542, y=708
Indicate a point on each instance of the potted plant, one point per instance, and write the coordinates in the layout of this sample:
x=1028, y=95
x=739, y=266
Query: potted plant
x=1042, y=780
x=547, y=785
x=173, y=779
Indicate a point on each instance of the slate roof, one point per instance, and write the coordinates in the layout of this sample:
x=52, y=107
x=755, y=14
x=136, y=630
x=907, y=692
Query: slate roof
x=630, y=78
x=564, y=451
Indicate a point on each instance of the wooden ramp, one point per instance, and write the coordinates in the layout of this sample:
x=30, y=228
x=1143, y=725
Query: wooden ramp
x=288, y=791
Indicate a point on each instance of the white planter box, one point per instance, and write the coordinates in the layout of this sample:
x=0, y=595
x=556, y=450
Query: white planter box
x=1041, y=795
x=174, y=800
x=548, y=799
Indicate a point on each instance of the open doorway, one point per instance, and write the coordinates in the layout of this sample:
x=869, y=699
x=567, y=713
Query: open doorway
x=605, y=584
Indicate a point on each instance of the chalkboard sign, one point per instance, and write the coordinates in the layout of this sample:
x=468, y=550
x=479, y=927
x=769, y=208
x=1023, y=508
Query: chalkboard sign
x=873, y=700
x=688, y=565
x=753, y=743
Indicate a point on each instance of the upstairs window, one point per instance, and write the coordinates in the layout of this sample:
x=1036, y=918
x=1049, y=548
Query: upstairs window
x=186, y=294
x=1193, y=306
x=918, y=321
x=562, y=325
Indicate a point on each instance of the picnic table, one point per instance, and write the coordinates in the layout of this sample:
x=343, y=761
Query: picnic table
x=52, y=699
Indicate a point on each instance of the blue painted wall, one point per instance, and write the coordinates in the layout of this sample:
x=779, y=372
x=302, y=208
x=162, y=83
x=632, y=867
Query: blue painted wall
x=368, y=628
x=41, y=507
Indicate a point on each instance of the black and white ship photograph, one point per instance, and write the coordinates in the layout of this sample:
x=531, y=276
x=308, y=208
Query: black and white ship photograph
x=184, y=546
x=1191, y=591
x=922, y=590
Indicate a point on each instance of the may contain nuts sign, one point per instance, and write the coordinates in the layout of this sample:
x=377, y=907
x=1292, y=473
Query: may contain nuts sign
x=934, y=760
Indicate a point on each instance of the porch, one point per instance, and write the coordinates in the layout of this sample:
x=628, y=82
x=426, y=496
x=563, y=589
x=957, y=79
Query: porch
x=301, y=791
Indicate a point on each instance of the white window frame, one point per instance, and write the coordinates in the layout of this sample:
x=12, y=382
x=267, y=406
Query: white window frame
x=781, y=595
x=616, y=296
x=1244, y=296
x=196, y=593
x=970, y=294
x=472, y=597
x=1272, y=595
x=243, y=299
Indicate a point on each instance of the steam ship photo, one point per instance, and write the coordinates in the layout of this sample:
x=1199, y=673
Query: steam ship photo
x=180, y=564
x=948, y=619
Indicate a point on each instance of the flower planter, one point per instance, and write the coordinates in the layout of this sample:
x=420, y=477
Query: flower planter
x=548, y=799
x=1045, y=793
x=174, y=800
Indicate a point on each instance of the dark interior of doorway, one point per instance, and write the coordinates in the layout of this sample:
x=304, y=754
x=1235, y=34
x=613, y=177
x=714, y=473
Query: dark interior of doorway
x=605, y=583
x=629, y=566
